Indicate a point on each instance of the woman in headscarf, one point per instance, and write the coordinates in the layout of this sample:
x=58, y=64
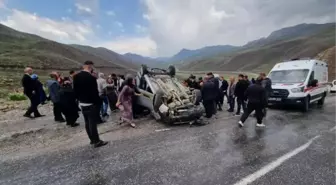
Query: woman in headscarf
x=124, y=102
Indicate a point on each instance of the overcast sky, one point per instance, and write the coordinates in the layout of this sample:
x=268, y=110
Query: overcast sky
x=160, y=27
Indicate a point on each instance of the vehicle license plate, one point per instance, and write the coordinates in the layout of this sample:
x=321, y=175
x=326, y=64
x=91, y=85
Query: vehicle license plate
x=274, y=99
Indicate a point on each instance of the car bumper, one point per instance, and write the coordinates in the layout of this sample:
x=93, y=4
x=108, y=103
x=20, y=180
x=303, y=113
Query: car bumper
x=186, y=116
x=291, y=101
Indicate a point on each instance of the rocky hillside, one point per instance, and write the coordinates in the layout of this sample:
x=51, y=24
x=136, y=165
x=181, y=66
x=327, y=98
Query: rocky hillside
x=329, y=56
x=18, y=50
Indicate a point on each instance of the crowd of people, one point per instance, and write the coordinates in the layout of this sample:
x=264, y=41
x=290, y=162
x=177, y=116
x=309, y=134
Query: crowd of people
x=93, y=93
x=86, y=91
x=244, y=94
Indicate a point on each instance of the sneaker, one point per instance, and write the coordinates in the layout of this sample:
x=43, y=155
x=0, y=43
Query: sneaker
x=237, y=114
x=240, y=124
x=60, y=121
x=99, y=144
x=260, y=125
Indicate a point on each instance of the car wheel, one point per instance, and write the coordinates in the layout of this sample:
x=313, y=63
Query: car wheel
x=321, y=101
x=171, y=70
x=305, y=105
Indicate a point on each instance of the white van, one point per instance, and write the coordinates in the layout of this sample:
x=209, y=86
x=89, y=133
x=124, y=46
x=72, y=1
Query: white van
x=333, y=86
x=299, y=82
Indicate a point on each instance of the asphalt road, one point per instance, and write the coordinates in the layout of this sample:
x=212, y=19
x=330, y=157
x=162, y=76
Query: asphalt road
x=295, y=148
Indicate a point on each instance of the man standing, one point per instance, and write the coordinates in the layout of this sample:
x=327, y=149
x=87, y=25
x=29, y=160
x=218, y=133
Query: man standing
x=102, y=83
x=85, y=88
x=31, y=91
x=215, y=91
x=240, y=89
x=223, y=91
x=267, y=84
x=54, y=88
x=256, y=96
x=231, y=94
x=208, y=96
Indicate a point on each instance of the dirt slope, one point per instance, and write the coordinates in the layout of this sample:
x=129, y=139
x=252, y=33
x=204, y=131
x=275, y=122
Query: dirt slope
x=329, y=56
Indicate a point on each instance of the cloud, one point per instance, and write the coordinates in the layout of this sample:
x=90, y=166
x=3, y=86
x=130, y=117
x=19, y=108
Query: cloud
x=87, y=7
x=140, y=45
x=68, y=31
x=64, y=30
x=110, y=13
x=119, y=24
x=192, y=24
x=140, y=28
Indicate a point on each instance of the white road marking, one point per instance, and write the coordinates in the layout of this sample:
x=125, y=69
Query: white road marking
x=162, y=130
x=333, y=129
x=271, y=166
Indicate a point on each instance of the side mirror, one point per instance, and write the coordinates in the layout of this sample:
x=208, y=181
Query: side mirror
x=313, y=83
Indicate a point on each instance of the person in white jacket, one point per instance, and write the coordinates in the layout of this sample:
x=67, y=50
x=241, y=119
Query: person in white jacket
x=102, y=84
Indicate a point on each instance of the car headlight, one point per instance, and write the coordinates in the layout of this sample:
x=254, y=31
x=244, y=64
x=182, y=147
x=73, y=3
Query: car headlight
x=297, y=90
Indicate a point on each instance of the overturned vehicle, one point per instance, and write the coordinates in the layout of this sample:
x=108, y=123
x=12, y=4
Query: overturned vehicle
x=166, y=98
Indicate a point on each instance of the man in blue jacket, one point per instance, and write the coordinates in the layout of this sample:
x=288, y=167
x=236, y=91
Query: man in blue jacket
x=54, y=96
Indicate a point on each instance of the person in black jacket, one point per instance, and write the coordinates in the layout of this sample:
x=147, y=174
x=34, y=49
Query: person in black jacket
x=256, y=96
x=68, y=103
x=267, y=84
x=215, y=90
x=31, y=90
x=86, y=91
x=192, y=82
x=208, y=96
x=240, y=89
x=223, y=91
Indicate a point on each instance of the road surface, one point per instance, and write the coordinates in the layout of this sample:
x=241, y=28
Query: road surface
x=295, y=148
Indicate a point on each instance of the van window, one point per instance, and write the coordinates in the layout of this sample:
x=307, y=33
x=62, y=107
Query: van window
x=311, y=77
x=289, y=76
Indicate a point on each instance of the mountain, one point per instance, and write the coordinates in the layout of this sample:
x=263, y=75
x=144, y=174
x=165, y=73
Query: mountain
x=304, y=40
x=19, y=49
x=107, y=54
x=138, y=59
x=301, y=30
x=186, y=55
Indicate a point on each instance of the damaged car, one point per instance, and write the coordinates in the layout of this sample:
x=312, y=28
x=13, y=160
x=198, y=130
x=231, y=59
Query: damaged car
x=165, y=96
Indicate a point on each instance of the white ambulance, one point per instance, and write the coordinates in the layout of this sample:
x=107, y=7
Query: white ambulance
x=300, y=81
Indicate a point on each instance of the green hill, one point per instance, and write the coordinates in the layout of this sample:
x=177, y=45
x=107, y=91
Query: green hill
x=18, y=50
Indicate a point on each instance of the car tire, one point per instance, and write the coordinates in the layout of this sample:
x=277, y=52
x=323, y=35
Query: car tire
x=198, y=96
x=305, y=104
x=157, y=100
x=171, y=70
x=321, y=101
